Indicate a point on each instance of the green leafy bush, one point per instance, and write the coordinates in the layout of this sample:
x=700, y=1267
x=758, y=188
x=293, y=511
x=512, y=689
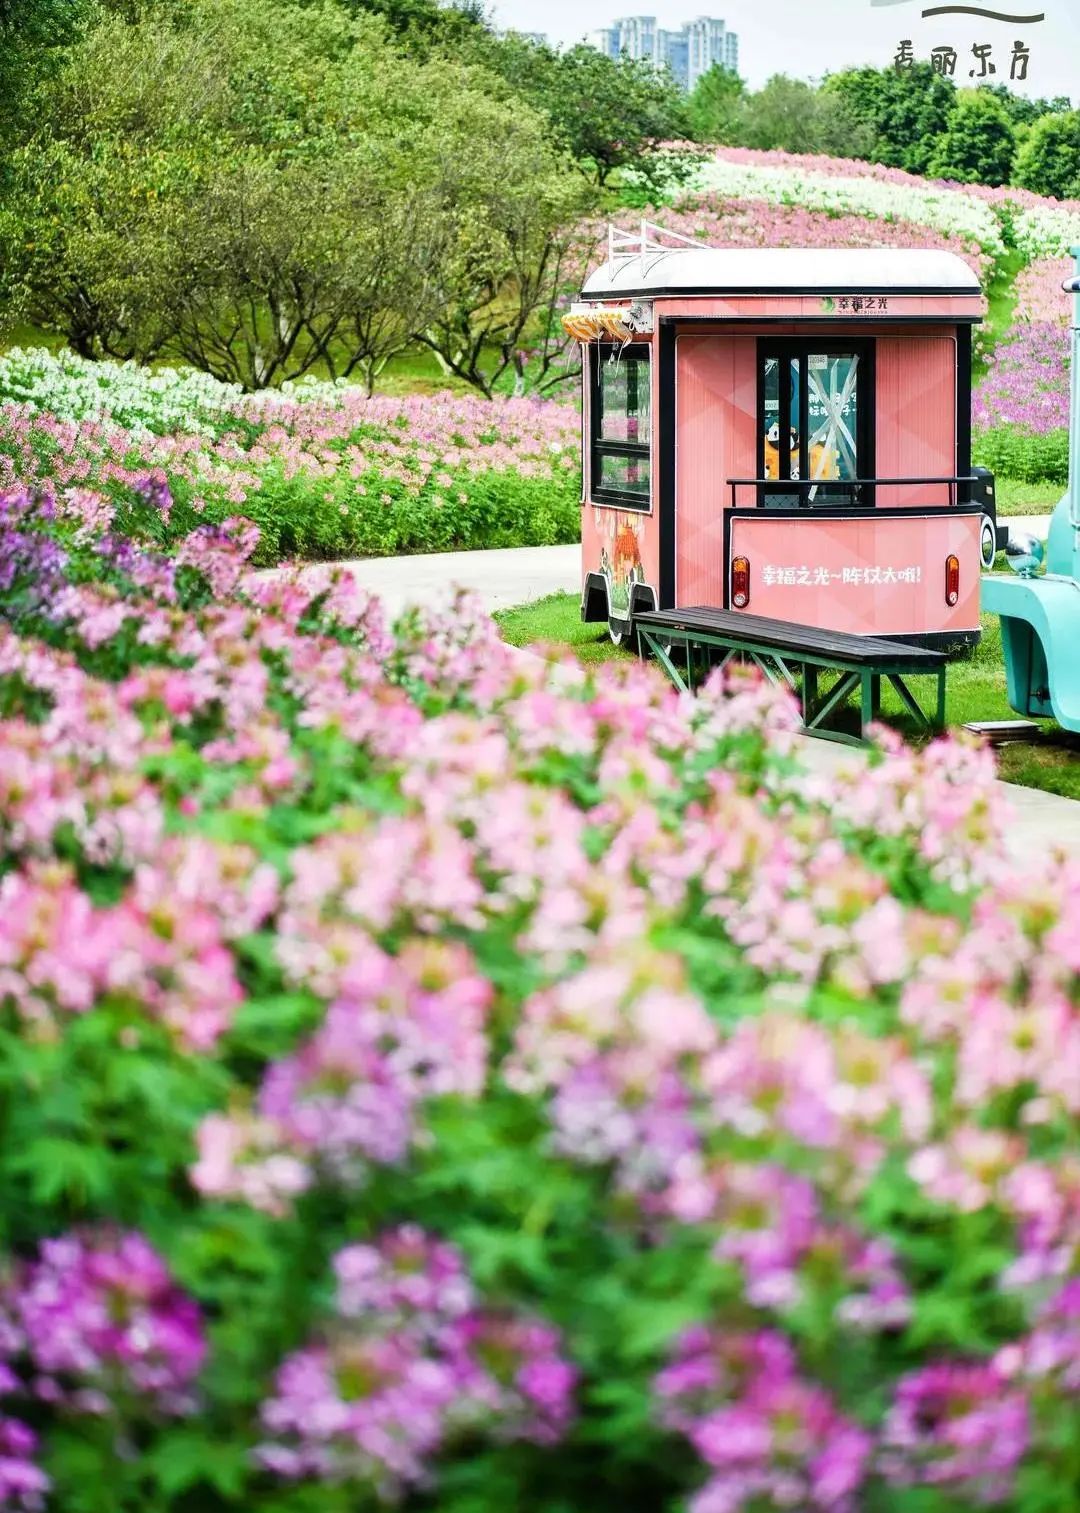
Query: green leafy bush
x=1013, y=452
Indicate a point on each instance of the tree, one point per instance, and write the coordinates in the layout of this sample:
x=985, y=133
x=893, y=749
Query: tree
x=263, y=188
x=979, y=141
x=795, y=117
x=1048, y=160
x=904, y=112
x=33, y=34
x=424, y=25
x=715, y=105
x=607, y=113
x=514, y=209
x=1024, y=111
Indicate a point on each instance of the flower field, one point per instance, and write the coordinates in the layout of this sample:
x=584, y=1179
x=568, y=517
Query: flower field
x=324, y=470
x=460, y=1080
x=1037, y=226
x=835, y=186
x=1021, y=407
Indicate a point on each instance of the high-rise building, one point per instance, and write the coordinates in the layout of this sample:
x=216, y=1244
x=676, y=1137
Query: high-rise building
x=689, y=52
x=540, y=38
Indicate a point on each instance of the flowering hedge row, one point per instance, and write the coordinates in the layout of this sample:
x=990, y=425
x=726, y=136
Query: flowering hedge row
x=1037, y=225
x=323, y=469
x=846, y=189
x=435, y=1073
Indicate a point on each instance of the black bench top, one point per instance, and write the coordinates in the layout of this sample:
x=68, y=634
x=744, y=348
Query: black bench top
x=787, y=635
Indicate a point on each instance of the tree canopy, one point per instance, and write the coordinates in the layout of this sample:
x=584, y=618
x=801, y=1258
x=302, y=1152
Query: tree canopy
x=606, y=113
x=715, y=105
x=978, y=143
x=904, y=113
x=260, y=189
x=1048, y=159
x=794, y=116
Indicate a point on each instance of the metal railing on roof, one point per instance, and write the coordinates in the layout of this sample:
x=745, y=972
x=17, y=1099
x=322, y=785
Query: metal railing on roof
x=643, y=244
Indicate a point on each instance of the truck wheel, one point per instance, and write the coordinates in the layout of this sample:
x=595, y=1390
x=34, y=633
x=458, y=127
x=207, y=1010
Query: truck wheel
x=621, y=632
x=987, y=541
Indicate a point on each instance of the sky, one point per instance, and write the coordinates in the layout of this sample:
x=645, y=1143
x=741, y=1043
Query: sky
x=806, y=40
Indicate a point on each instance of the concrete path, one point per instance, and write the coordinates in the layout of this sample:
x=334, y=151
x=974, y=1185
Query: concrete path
x=517, y=575
x=1032, y=525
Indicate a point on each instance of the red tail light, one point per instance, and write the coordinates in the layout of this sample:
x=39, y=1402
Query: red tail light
x=952, y=579
x=740, y=582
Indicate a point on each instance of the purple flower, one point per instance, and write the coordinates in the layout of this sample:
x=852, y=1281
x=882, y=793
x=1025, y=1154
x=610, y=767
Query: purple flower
x=766, y=1434
x=23, y=1485
x=958, y=1425
x=407, y=1275
x=102, y=1317
x=154, y=489
x=408, y=1366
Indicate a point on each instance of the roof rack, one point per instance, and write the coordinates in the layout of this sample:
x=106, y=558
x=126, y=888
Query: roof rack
x=643, y=244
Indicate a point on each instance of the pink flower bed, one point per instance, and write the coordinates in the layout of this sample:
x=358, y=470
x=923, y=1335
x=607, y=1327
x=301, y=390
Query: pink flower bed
x=440, y=1074
x=857, y=168
x=722, y=222
x=1040, y=298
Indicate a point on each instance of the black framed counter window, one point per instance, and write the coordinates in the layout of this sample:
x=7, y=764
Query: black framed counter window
x=816, y=421
x=621, y=462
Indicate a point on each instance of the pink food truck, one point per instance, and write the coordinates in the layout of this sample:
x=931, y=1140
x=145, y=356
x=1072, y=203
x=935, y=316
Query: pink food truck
x=785, y=432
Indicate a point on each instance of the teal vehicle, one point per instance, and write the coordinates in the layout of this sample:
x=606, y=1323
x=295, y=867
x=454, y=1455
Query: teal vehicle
x=1040, y=613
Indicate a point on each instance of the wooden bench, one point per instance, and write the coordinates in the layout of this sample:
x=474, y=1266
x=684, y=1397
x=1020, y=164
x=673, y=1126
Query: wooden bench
x=712, y=637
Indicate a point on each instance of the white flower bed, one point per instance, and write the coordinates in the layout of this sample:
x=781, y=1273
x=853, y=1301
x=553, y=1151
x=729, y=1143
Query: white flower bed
x=1048, y=232
x=143, y=401
x=950, y=211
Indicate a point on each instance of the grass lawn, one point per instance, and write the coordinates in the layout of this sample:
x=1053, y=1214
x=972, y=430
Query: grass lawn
x=975, y=688
x=1016, y=498
x=556, y=621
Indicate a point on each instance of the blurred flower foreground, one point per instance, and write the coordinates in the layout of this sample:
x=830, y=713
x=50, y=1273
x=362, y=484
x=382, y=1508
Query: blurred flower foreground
x=439, y=1077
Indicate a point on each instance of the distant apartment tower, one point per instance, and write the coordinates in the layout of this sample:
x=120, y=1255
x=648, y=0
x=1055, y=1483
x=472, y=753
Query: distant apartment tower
x=689, y=52
x=540, y=38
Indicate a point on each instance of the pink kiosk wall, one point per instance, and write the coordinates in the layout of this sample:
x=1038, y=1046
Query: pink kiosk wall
x=869, y=571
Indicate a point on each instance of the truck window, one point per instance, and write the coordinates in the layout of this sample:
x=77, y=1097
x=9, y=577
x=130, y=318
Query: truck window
x=621, y=426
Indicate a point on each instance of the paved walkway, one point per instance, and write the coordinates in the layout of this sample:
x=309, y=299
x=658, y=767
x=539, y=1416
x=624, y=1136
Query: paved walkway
x=517, y=575
x=1033, y=525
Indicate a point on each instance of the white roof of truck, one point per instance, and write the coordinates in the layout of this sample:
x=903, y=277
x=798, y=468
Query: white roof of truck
x=782, y=270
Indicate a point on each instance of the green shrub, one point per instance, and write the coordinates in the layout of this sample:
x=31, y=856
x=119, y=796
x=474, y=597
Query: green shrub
x=318, y=520
x=1014, y=453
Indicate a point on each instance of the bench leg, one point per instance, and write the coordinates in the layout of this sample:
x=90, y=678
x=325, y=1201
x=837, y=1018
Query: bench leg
x=939, y=717
x=846, y=684
x=912, y=704
x=809, y=692
x=661, y=654
x=869, y=701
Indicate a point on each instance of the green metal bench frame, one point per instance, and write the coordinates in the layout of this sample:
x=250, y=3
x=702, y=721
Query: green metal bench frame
x=861, y=664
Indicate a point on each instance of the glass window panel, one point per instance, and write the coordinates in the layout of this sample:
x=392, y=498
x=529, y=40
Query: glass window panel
x=794, y=417
x=833, y=415
x=628, y=475
x=624, y=398
x=770, y=419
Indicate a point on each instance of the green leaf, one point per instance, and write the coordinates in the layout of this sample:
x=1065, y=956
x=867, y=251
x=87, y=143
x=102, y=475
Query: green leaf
x=187, y=1458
